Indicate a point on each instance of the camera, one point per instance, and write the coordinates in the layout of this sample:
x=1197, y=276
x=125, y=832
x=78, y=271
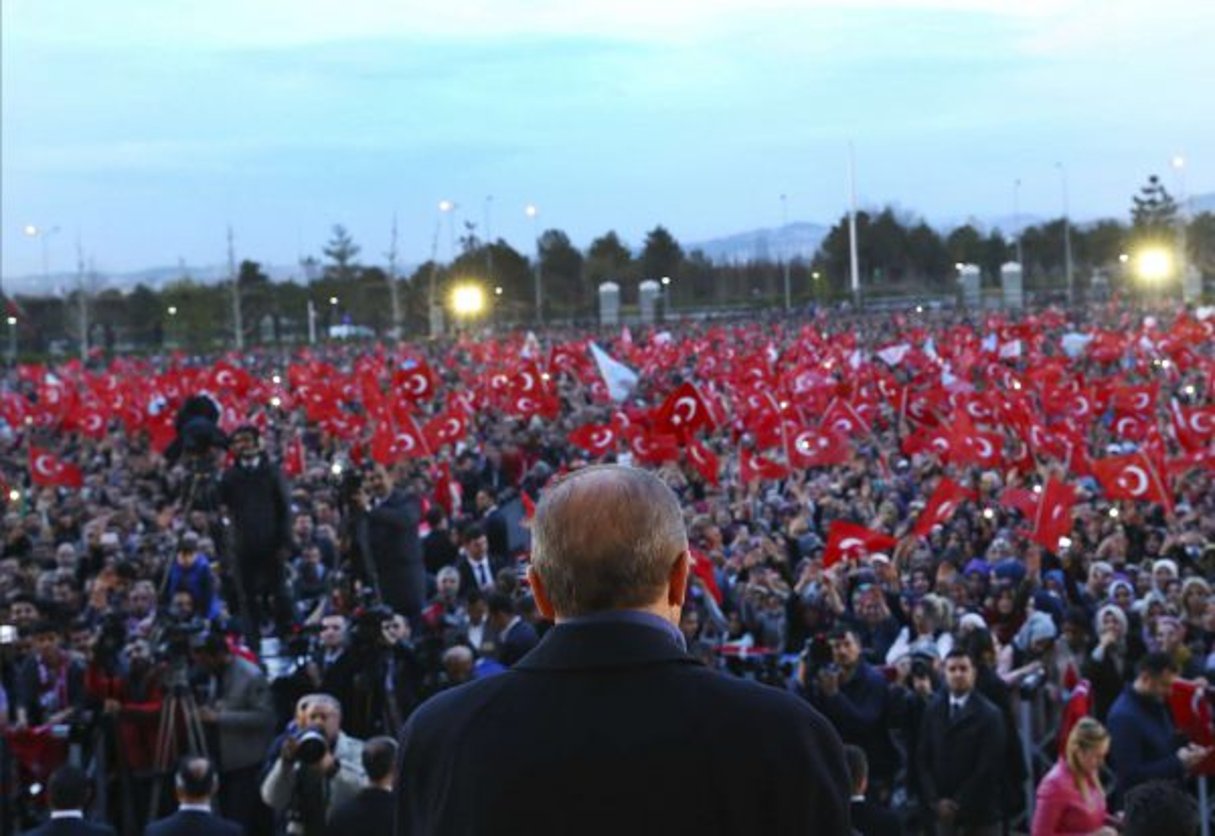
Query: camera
x=311, y=745
x=817, y=655
x=176, y=639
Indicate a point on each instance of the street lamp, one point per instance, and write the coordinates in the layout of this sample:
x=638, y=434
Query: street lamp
x=1154, y=264
x=172, y=310
x=784, y=222
x=12, y=340
x=1067, y=235
x=42, y=233
x=467, y=301
x=666, y=296
x=534, y=213
x=333, y=300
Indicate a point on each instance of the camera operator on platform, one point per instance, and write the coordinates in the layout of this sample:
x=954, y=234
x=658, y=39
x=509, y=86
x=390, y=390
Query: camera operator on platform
x=259, y=501
x=318, y=769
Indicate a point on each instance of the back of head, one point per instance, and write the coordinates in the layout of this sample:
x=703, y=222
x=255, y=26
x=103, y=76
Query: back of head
x=858, y=767
x=1086, y=736
x=68, y=789
x=500, y=603
x=606, y=538
x=196, y=780
x=379, y=758
x=1158, y=808
x=1156, y=665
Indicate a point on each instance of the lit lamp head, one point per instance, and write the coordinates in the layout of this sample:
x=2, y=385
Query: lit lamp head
x=467, y=300
x=1154, y=264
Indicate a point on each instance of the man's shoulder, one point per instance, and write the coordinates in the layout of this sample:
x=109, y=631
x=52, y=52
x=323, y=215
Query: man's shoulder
x=55, y=827
x=188, y=822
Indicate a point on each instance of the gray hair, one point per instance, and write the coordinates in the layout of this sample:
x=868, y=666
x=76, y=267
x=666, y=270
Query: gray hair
x=448, y=572
x=605, y=538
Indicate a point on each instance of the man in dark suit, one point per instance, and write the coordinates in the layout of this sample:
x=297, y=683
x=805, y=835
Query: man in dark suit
x=68, y=792
x=608, y=725
x=478, y=568
x=497, y=532
x=393, y=516
x=438, y=548
x=197, y=783
x=515, y=636
x=869, y=818
x=960, y=754
x=371, y=812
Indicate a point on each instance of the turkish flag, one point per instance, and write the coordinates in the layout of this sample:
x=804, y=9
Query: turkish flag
x=596, y=439
x=1131, y=477
x=971, y=446
x=1139, y=400
x=414, y=380
x=702, y=568
x=654, y=449
x=945, y=500
x=1193, y=426
x=444, y=429
x=1019, y=499
x=683, y=412
x=841, y=417
x=527, y=406
x=846, y=540
x=293, y=458
x=48, y=469
x=447, y=490
x=389, y=446
x=752, y=467
x=703, y=461
x=816, y=448
x=89, y=421
x=1053, y=519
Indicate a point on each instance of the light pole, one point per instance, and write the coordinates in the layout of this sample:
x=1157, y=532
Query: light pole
x=432, y=310
x=1017, y=217
x=172, y=312
x=12, y=340
x=1067, y=236
x=489, y=242
x=42, y=233
x=1182, y=259
x=784, y=222
x=666, y=297
x=448, y=208
x=532, y=212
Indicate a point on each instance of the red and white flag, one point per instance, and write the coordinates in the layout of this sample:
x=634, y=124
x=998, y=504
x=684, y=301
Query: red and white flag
x=846, y=541
x=1131, y=477
x=49, y=470
x=1053, y=519
x=703, y=461
x=946, y=499
x=596, y=439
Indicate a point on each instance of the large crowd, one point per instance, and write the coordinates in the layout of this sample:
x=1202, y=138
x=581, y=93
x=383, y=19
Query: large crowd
x=956, y=534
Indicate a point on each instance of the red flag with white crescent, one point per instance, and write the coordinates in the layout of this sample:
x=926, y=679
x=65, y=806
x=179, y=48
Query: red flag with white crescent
x=48, y=469
x=847, y=541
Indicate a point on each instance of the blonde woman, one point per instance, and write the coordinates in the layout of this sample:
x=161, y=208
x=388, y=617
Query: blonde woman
x=1071, y=801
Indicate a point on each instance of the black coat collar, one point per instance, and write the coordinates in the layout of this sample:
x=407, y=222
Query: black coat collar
x=603, y=645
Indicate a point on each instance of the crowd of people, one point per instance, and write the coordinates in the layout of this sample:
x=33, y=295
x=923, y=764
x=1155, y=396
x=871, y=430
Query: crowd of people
x=965, y=539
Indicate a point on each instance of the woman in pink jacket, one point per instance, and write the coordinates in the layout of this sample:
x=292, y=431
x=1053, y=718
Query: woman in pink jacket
x=1071, y=801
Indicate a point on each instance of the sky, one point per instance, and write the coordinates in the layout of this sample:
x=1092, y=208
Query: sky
x=142, y=130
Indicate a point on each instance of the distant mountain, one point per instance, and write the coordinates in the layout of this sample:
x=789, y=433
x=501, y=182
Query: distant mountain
x=1200, y=203
x=785, y=243
x=153, y=277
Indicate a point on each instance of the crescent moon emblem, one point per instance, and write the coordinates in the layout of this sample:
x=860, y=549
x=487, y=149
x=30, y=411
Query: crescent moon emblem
x=678, y=417
x=850, y=543
x=528, y=381
x=525, y=405
x=986, y=451
x=1080, y=405
x=452, y=427
x=941, y=444
x=1141, y=480
x=417, y=383
x=1142, y=399
x=1126, y=425
x=406, y=441
x=946, y=509
x=601, y=438
x=1200, y=422
x=42, y=465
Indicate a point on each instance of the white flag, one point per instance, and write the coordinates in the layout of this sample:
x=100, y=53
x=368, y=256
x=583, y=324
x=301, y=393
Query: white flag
x=620, y=379
x=892, y=355
x=1010, y=350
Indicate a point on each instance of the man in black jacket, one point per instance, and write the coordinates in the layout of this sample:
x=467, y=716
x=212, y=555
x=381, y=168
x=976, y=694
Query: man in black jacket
x=609, y=725
x=197, y=783
x=259, y=501
x=68, y=792
x=861, y=705
x=960, y=754
x=371, y=812
x=869, y=818
x=393, y=515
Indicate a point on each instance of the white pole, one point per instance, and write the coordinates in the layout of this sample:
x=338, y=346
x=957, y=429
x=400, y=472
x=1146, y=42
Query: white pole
x=1067, y=236
x=856, y=269
x=311, y=323
x=84, y=303
x=238, y=326
x=1017, y=217
x=784, y=223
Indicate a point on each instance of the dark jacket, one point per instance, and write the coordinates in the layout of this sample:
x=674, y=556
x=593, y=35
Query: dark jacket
x=71, y=827
x=260, y=504
x=194, y=823
x=392, y=536
x=631, y=735
x=517, y=643
x=438, y=550
x=1143, y=744
x=370, y=813
x=468, y=578
x=861, y=712
x=872, y=819
x=961, y=759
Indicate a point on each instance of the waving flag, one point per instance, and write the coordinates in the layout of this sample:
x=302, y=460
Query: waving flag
x=1053, y=519
x=48, y=469
x=1131, y=477
x=620, y=379
x=946, y=499
x=847, y=540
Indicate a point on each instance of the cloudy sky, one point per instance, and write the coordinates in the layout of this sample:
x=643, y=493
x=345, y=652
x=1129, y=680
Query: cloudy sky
x=143, y=128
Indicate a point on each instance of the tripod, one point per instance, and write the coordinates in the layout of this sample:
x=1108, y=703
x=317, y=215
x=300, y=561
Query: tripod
x=179, y=702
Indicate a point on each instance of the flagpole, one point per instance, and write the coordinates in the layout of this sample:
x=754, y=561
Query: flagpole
x=852, y=257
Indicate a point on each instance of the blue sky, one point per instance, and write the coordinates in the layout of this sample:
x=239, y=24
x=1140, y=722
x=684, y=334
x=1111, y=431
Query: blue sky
x=145, y=128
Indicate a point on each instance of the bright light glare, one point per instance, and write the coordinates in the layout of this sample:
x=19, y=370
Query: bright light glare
x=31, y=230
x=530, y=210
x=14, y=495
x=336, y=469
x=988, y=514
x=446, y=206
x=276, y=402
x=12, y=320
x=1065, y=542
x=467, y=300
x=1114, y=513
x=1154, y=265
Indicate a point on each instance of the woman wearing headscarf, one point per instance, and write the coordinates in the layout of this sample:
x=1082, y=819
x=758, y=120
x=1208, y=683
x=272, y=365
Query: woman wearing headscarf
x=1109, y=666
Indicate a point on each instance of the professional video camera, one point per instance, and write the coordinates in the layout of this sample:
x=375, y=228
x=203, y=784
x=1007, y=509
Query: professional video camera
x=367, y=629
x=176, y=639
x=198, y=431
x=111, y=639
x=817, y=655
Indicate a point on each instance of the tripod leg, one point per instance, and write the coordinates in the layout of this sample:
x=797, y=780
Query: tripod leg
x=164, y=747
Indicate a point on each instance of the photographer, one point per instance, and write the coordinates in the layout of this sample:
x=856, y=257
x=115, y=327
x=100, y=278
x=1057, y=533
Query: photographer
x=317, y=770
x=392, y=514
x=239, y=709
x=859, y=703
x=387, y=677
x=256, y=495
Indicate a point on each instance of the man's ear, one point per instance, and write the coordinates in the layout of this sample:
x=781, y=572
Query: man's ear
x=677, y=586
x=543, y=605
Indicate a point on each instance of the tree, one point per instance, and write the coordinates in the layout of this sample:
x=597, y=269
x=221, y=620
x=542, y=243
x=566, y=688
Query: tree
x=996, y=251
x=1153, y=210
x=561, y=268
x=965, y=245
x=341, y=250
x=661, y=255
x=1200, y=239
x=145, y=316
